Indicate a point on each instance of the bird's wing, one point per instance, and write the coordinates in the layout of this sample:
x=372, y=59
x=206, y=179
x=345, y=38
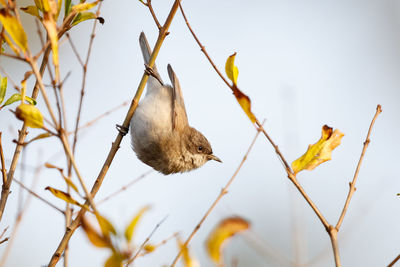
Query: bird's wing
x=146, y=52
x=179, y=117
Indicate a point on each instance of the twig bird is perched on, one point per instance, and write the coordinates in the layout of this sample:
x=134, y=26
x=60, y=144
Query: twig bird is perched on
x=161, y=135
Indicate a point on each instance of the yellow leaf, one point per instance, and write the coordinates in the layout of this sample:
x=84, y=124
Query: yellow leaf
x=39, y=4
x=63, y=195
x=188, y=260
x=70, y=183
x=149, y=248
x=51, y=28
x=218, y=237
x=94, y=237
x=105, y=226
x=30, y=115
x=115, y=260
x=231, y=70
x=245, y=103
x=131, y=227
x=49, y=6
x=11, y=44
x=51, y=166
x=14, y=28
x=83, y=6
x=320, y=151
x=31, y=10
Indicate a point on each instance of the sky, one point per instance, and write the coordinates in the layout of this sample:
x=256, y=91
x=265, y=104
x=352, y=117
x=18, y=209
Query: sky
x=302, y=63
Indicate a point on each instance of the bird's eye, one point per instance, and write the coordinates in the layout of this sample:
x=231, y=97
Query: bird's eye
x=200, y=148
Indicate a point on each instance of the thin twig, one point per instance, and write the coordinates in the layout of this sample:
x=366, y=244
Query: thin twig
x=14, y=57
x=148, y=4
x=75, y=50
x=84, y=67
x=19, y=219
x=3, y=164
x=352, y=188
x=124, y=187
x=394, y=261
x=38, y=197
x=108, y=112
x=115, y=146
x=221, y=194
x=156, y=246
x=145, y=242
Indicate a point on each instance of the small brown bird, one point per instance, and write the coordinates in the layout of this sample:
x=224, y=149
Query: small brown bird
x=161, y=135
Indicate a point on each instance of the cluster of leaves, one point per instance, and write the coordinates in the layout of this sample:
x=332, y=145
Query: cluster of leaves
x=108, y=237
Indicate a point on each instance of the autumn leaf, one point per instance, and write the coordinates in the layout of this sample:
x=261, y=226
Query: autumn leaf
x=131, y=227
x=3, y=88
x=244, y=101
x=14, y=28
x=320, y=151
x=51, y=28
x=149, y=248
x=231, y=70
x=188, y=260
x=115, y=260
x=95, y=237
x=38, y=137
x=221, y=234
x=105, y=226
x=30, y=115
x=83, y=7
x=32, y=10
x=51, y=166
x=63, y=195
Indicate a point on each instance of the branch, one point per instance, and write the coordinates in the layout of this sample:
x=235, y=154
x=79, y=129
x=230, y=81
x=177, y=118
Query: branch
x=221, y=194
x=353, y=183
x=3, y=164
x=21, y=138
x=145, y=242
x=38, y=197
x=115, y=146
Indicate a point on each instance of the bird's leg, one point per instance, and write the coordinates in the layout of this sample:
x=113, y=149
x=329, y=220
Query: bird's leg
x=151, y=72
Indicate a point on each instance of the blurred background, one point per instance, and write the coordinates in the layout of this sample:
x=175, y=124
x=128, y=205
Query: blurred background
x=303, y=64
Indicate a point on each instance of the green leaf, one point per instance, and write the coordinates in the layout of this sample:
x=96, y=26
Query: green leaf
x=82, y=17
x=14, y=28
x=67, y=7
x=131, y=227
x=30, y=114
x=17, y=97
x=3, y=88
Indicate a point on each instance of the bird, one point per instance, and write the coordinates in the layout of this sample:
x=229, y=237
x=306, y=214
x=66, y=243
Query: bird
x=161, y=135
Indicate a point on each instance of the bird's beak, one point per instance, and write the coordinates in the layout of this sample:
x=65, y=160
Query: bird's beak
x=213, y=157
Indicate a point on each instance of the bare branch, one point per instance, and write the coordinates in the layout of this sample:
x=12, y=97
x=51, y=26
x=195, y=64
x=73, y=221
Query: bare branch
x=352, y=188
